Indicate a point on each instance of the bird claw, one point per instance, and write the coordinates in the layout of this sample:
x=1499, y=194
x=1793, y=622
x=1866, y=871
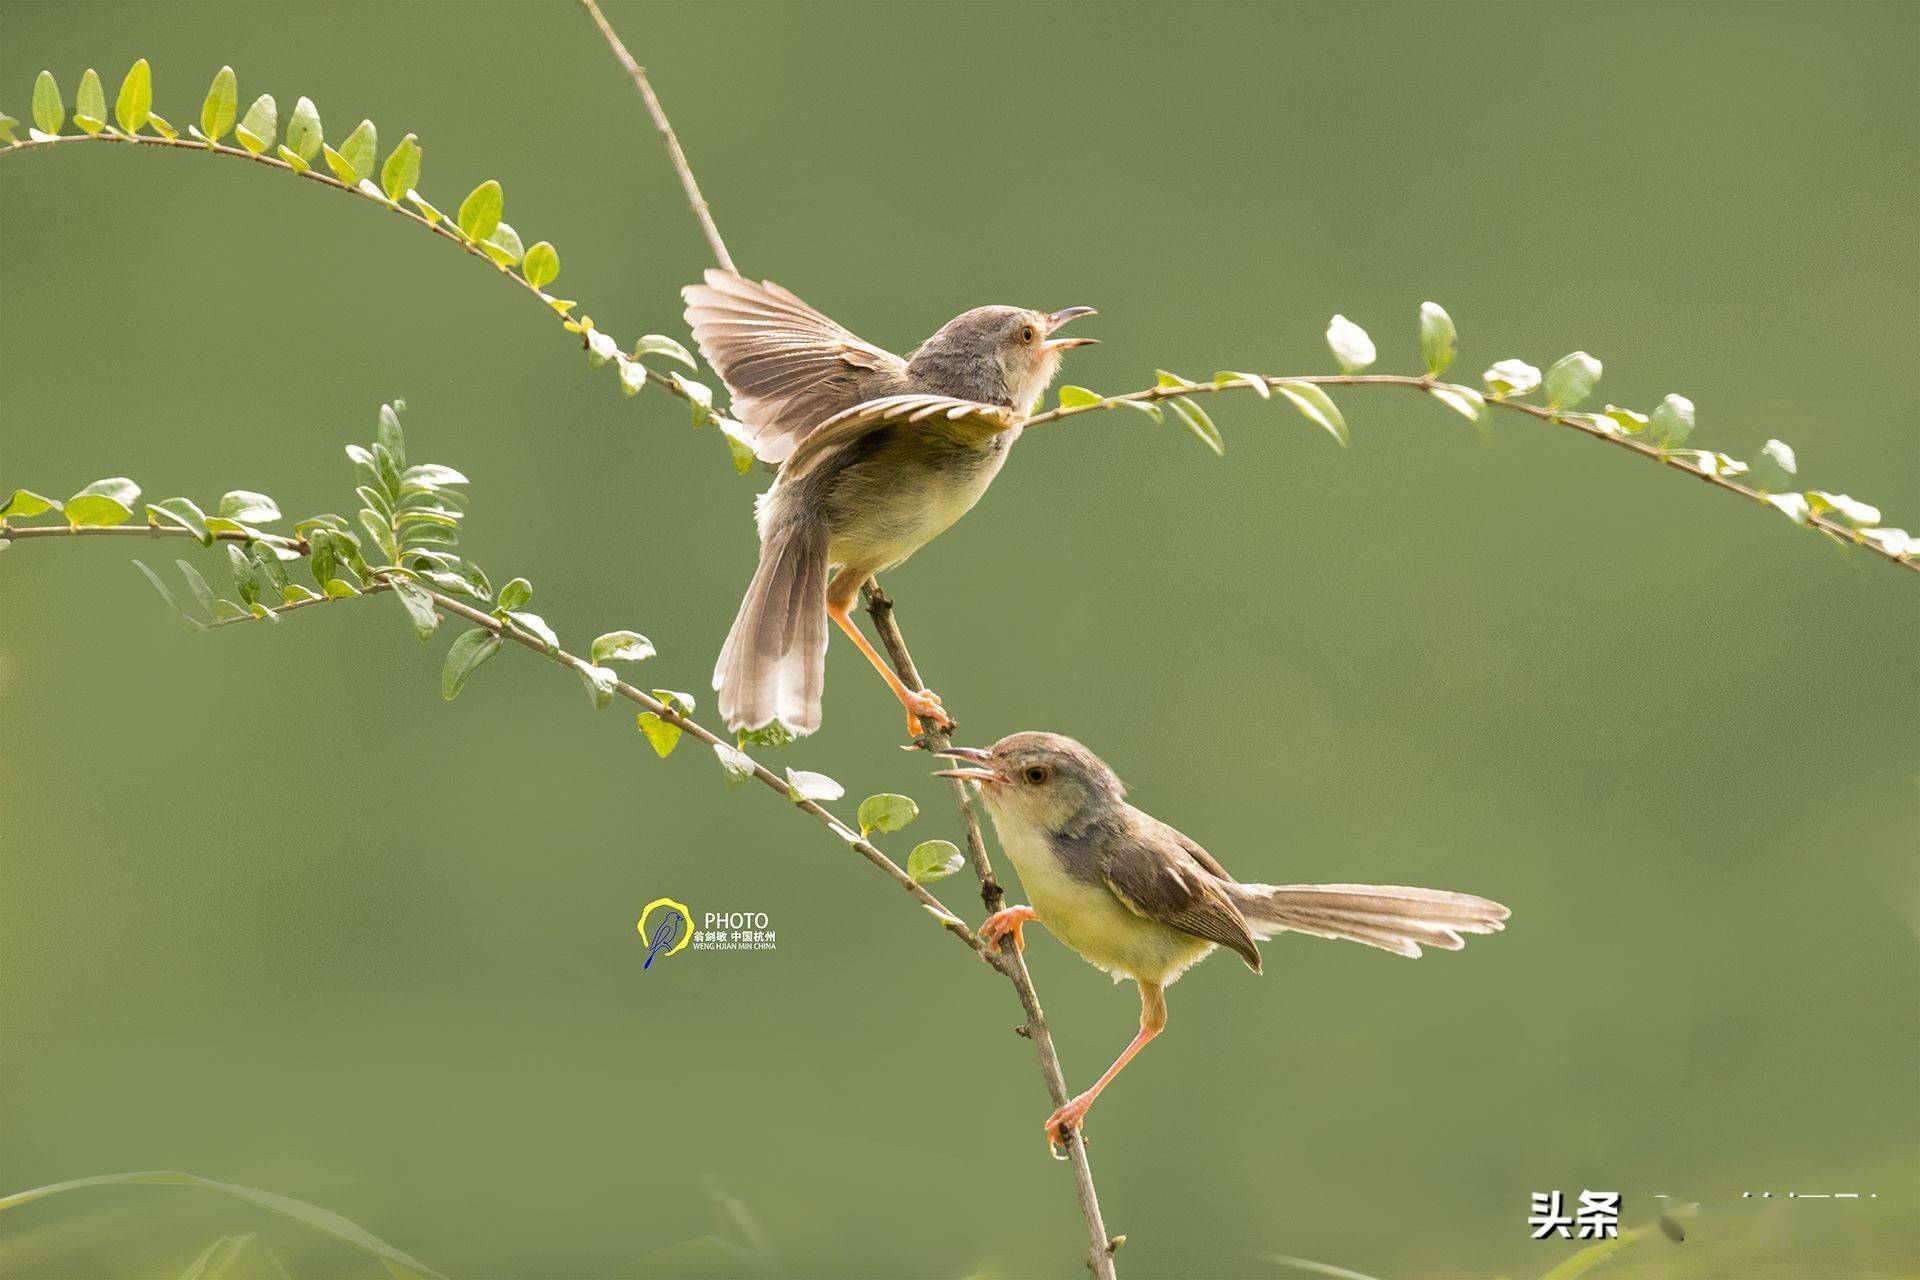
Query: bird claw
x=1067, y=1120
x=924, y=702
x=1004, y=922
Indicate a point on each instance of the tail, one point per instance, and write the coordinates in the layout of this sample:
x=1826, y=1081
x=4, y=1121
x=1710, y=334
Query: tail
x=1391, y=917
x=774, y=664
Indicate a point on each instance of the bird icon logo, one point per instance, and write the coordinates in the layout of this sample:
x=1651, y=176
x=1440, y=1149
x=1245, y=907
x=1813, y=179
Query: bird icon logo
x=674, y=919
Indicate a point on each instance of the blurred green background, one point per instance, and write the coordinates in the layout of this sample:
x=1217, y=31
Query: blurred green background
x=277, y=915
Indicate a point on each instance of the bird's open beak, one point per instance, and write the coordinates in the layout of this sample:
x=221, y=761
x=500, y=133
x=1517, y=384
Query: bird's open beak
x=974, y=754
x=1059, y=318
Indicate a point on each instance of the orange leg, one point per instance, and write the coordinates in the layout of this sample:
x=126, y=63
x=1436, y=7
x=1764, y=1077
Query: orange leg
x=1001, y=923
x=1153, y=1019
x=918, y=702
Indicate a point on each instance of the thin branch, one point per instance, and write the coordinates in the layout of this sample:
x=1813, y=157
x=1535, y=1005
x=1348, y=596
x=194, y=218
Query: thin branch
x=506, y=630
x=1008, y=959
x=695, y=201
x=1101, y=1247
x=1830, y=527
x=443, y=230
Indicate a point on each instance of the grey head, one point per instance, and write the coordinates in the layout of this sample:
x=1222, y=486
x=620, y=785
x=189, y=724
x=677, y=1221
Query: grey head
x=1045, y=780
x=995, y=355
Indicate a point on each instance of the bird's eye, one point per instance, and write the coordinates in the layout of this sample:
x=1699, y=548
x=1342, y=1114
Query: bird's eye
x=1026, y=333
x=1037, y=773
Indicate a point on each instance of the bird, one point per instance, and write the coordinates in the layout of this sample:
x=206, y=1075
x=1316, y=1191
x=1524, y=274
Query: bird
x=877, y=455
x=1141, y=900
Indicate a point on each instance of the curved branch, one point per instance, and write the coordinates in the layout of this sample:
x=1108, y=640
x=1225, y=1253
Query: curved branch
x=1149, y=395
x=506, y=630
x=445, y=232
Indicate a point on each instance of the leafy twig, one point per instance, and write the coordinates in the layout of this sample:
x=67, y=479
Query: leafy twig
x=1709, y=467
x=506, y=629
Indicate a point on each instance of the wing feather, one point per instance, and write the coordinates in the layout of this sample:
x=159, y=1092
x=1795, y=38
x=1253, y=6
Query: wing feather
x=970, y=417
x=1149, y=868
x=787, y=366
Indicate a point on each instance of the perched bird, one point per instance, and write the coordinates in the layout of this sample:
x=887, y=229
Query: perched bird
x=1142, y=901
x=877, y=456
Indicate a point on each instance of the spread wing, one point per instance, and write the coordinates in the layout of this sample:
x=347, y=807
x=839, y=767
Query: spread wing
x=1154, y=870
x=966, y=417
x=787, y=366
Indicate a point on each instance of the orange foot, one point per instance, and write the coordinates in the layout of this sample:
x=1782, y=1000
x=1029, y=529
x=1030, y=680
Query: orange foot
x=1067, y=1117
x=923, y=702
x=1001, y=923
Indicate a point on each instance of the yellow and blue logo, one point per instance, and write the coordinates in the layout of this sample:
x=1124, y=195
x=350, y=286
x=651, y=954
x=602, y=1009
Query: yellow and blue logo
x=674, y=921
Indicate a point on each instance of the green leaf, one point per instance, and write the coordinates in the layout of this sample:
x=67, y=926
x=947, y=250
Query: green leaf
x=1162, y=378
x=135, y=102
x=663, y=734
x=7, y=125
x=1437, y=338
x=354, y=161
x=737, y=764
x=249, y=508
x=428, y=477
x=541, y=265
x=104, y=502
x=218, y=112
x=1072, y=397
x=257, y=128
x=503, y=246
x=1571, y=380
x=774, y=734
x=1195, y=419
x=469, y=650
x=659, y=344
x=633, y=375
x=739, y=444
x=184, y=513
x=676, y=700
x=49, y=109
x=934, y=860
x=535, y=625
x=388, y=435
x=427, y=211
x=1775, y=469
x=401, y=173
x=197, y=584
x=246, y=574
x=25, y=502
x=1511, y=378
x=339, y=589
x=804, y=785
x=480, y=211
x=1350, y=344
x=161, y=127
x=419, y=607
x=1465, y=401
x=1852, y=510
x=699, y=395
x=304, y=136
x=515, y=594
x=1625, y=420
x=1671, y=422
x=1228, y=377
x=886, y=812
x=165, y=594
x=600, y=684
x=90, y=103
x=1318, y=407
x=622, y=646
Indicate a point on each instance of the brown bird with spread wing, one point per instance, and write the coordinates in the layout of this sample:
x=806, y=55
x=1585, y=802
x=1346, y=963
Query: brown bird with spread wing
x=878, y=455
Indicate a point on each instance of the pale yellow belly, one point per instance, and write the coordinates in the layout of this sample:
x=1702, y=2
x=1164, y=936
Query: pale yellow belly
x=1104, y=930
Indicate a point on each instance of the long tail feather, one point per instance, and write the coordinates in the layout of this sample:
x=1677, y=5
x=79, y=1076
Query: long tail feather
x=1393, y=918
x=773, y=665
